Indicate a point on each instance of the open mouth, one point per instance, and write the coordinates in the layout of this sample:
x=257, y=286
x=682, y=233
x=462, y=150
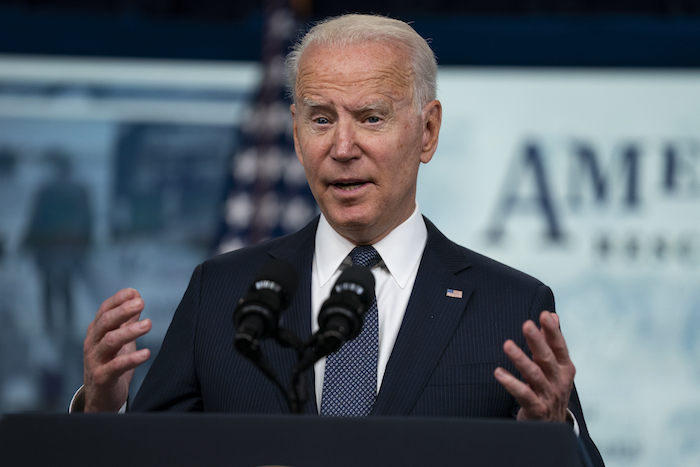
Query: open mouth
x=348, y=186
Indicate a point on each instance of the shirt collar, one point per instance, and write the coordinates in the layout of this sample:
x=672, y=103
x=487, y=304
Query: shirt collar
x=332, y=249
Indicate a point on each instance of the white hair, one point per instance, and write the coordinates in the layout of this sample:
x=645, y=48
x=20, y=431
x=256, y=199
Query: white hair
x=353, y=29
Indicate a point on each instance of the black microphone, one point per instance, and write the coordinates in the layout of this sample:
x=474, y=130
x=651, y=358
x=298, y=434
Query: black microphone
x=257, y=314
x=341, y=316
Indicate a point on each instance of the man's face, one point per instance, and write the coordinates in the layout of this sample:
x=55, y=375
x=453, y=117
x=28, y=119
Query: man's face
x=359, y=137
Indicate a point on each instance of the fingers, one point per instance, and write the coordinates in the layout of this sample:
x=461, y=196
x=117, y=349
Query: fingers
x=554, y=337
x=122, y=309
x=548, y=345
x=115, y=340
x=548, y=375
x=532, y=406
x=532, y=372
x=119, y=341
x=110, y=340
x=116, y=300
x=110, y=372
x=521, y=391
x=542, y=353
x=109, y=350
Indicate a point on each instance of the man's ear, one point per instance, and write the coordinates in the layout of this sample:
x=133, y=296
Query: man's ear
x=432, y=119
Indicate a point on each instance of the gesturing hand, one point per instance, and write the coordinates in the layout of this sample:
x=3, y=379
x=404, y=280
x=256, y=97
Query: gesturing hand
x=109, y=351
x=549, y=375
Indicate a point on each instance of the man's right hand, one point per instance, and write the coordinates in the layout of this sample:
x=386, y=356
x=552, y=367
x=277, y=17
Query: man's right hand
x=109, y=351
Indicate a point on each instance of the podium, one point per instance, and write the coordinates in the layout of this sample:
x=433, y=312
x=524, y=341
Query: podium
x=205, y=440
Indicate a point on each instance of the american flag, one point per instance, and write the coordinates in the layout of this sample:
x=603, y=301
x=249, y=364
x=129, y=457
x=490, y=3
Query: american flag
x=268, y=195
x=454, y=293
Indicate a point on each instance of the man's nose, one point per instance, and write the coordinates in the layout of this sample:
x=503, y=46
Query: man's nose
x=345, y=142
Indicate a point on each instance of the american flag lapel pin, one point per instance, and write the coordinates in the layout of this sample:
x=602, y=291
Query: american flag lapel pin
x=454, y=293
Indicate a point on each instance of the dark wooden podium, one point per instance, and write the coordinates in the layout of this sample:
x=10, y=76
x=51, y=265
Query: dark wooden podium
x=175, y=440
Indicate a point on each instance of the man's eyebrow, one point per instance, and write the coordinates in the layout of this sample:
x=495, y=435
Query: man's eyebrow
x=380, y=104
x=312, y=103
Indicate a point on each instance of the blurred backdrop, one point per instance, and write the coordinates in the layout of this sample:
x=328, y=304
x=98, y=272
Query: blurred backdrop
x=138, y=138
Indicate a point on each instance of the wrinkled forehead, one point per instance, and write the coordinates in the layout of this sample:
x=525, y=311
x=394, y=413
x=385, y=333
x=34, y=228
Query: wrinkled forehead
x=377, y=64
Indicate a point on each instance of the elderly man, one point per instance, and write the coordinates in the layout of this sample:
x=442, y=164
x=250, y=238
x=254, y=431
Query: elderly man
x=365, y=118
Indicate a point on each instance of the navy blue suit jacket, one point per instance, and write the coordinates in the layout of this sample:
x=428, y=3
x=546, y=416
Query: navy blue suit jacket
x=442, y=363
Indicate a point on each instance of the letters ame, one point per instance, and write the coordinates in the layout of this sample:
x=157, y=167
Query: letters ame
x=589, y=181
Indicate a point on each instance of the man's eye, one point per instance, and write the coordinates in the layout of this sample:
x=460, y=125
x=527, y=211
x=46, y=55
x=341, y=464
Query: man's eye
x=373, y=119
x=322, y=120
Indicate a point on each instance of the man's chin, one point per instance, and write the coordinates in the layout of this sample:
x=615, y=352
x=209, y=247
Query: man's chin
x=361, y=233
x=356, y=229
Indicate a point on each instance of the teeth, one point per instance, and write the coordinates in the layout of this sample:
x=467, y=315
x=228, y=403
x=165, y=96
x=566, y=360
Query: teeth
x=348, y=187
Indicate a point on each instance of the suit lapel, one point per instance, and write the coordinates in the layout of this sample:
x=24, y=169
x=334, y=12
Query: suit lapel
x=298, y=249
x=428, y=325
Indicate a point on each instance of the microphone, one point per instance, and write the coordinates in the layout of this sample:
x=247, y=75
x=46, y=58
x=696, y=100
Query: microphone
x=257, y=314
x=341, y=316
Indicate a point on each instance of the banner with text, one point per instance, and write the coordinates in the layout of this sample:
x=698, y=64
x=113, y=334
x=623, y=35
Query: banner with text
x=590, y=181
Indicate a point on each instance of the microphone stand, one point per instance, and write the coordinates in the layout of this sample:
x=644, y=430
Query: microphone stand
x=296, y=394
x=318, y=346
x=251, y=350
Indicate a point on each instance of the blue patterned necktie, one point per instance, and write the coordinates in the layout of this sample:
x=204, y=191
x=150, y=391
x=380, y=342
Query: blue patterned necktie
x=350, y=377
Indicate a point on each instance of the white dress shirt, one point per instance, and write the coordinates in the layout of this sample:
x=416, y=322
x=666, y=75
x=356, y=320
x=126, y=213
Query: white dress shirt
x=401, y=252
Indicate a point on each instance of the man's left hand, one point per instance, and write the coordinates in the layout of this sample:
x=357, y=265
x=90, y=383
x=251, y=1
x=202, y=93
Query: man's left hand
x=549, y=375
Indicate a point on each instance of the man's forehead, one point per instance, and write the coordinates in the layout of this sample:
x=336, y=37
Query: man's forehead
x=390, y=52
x=382, y=67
